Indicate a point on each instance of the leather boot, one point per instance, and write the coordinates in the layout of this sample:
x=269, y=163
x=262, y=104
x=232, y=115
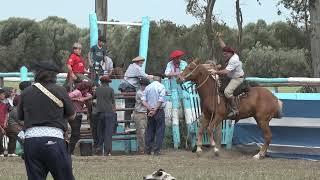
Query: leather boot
x=233, y=108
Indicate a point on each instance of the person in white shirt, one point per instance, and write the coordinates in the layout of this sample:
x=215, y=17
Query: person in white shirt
x=130, y=83
x=176, y=64
x=234, y=71
x=154, y=100
x=107, y=66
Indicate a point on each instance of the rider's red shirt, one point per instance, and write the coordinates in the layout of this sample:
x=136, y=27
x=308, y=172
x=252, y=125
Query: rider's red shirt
x=77, y=63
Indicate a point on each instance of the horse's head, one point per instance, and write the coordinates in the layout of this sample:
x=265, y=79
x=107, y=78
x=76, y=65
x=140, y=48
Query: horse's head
x=191, y=72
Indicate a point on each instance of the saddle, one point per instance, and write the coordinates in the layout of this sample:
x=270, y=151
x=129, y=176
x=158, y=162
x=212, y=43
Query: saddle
x=242, y=89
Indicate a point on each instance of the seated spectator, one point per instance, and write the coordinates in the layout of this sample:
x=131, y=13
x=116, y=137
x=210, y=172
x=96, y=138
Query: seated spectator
x=79, y=96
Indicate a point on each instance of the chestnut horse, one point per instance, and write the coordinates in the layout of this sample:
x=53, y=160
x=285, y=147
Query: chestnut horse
x=259, y=103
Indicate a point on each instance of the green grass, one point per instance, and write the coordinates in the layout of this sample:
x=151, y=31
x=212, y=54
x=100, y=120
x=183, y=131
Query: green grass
x=181, y=164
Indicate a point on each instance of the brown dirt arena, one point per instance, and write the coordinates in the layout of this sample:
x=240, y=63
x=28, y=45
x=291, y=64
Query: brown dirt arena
x=181, y=164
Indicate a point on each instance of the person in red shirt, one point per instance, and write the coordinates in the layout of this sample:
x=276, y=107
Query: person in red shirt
x=3, y=119
x=76, y=66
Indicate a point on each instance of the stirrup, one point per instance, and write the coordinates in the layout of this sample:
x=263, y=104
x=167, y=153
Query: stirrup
x=232, y=115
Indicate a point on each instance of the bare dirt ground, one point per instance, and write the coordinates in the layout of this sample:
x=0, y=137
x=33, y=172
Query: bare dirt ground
x=181, y=164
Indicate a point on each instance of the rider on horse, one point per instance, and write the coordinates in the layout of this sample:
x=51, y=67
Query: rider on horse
x=234, y=71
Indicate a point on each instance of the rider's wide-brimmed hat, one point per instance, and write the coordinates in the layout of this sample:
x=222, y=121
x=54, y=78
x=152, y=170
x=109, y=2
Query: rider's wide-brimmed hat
x=228, y=49
x=176, y=54
x=138, y=58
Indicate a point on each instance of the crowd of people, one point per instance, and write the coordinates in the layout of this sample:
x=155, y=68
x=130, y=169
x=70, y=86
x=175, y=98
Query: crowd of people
x=39, y=116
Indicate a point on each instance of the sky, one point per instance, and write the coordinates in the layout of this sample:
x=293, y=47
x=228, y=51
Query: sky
x=77, y=11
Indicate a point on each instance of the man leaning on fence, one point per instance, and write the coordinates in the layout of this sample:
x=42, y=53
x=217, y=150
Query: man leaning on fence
x=130, y=84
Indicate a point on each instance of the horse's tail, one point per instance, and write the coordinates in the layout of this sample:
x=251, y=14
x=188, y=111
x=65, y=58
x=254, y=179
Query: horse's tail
x=279, y=113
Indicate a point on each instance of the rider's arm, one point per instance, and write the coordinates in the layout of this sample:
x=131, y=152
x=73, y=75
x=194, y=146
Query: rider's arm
x=222, y=72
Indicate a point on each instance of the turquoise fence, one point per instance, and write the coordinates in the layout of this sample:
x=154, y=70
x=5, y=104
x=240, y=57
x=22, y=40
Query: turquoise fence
x=188, y=102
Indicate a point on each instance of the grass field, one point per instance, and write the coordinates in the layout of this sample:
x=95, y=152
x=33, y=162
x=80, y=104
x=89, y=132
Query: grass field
x=181, y=164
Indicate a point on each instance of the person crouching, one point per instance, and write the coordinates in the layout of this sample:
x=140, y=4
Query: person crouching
x=105, y=109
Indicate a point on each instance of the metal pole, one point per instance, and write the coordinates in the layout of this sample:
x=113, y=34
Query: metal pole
x=144, y=40
x=93, y=29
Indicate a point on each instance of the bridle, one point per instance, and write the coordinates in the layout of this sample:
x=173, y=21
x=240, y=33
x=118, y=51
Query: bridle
x=215, y=77
x=202, y=83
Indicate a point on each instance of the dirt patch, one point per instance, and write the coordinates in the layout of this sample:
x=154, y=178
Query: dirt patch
x=181, y=164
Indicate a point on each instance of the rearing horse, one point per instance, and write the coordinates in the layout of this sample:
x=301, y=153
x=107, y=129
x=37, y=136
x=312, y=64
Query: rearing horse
x=259, y=103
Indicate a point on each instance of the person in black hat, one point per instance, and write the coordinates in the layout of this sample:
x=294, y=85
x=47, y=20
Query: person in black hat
x=44, y=108
x=105, y=115
x=140, y=115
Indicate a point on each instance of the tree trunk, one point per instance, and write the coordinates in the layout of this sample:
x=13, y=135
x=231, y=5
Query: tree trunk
x=209, y=29
x=239, y=23
x=315, y=36
x=102, y=14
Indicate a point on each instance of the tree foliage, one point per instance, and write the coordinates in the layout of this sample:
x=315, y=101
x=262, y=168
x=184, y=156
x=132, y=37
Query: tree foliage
x=280, y=44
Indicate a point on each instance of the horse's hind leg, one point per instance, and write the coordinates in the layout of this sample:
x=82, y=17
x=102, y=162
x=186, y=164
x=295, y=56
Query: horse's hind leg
x=264, y=125
x=217, y=119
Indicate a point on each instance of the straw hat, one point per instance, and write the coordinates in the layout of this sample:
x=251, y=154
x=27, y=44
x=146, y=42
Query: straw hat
x=138, y=58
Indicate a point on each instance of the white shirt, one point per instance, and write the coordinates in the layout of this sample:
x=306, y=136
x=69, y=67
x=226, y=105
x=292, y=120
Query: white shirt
x=171, y=68
x=133, y=73
x=154, y=93
x=235, y=67
x=107, y=65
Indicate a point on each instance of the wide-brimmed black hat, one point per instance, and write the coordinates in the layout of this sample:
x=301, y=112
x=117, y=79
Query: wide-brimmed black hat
x=45, y=65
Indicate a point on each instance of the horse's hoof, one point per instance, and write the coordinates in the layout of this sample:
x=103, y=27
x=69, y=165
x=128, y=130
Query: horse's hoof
x=216, y=151
x=258, y=156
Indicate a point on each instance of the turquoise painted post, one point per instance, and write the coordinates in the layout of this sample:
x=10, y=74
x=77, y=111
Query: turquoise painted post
x=24, y=74
x=187, y=106
x=144, y=39
x=93, y=22
x=175, y=113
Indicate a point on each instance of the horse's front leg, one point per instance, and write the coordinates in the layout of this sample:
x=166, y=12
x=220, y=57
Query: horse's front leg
x=199, y=139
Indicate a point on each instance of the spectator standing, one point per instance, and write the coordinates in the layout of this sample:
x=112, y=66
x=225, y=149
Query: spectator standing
x=140, y=115
x=106, y=115
x=4, y=108
x=96, y=58
x=79, y=96
x=154, y=100
x=44, y=108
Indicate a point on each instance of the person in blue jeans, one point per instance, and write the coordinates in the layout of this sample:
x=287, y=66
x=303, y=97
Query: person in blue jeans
x=154, y=100
x=105, y=116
